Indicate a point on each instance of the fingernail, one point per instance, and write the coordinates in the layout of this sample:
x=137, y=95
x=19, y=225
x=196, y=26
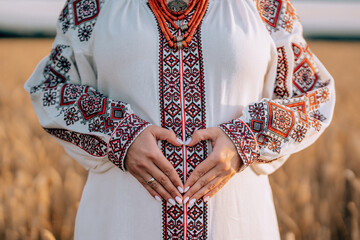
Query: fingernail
x=180, y=189
x=192, y=201
x=180, y=141
x=186, y=189
x=206, y=199
x=172, y=202
x=187, y=141
x=186, y=200
x=179, y=201
x=158, y=198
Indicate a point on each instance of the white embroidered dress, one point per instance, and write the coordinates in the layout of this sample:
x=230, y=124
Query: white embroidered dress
x=111, y=73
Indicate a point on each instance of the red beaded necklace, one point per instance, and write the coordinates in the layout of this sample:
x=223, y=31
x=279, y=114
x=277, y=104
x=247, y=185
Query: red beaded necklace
x=165, y=16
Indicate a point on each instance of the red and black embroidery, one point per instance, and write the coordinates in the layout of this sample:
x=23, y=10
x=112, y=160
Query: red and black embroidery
x=243, y=138
x=277, y=14
x=318, y=116
x=125, y=133
x=91, y=144
x=92, y=105
x=182, y=104
x=281, y=89
x=80, y=15
x=275, y=123
x=65, y=18
x=83, y=107
x=70, y=93
x=49, y=99
x=295, y=114
x=306, y=76
x=85, y=10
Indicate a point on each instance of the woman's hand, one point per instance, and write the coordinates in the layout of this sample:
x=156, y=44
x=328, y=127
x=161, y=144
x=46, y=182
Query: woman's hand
x=144, y=160
x=212, y=174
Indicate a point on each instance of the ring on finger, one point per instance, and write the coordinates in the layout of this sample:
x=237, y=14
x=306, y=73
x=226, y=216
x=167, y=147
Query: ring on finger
x=150, y=181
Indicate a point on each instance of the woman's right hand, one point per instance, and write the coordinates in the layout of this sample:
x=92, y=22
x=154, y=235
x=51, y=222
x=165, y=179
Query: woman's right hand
x=144, y=160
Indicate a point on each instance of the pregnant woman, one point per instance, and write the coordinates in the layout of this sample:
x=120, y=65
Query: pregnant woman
x=180, y=109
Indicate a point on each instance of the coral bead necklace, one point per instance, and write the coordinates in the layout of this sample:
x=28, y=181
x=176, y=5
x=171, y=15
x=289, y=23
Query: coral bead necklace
x=176, y=11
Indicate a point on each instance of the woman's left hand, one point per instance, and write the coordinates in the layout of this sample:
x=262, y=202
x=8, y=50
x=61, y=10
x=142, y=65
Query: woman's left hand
x=212, y=174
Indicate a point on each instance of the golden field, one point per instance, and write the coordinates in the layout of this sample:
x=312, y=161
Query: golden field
x=317, y=192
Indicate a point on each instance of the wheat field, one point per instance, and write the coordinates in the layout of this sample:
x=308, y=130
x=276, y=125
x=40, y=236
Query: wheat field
x=317, y=192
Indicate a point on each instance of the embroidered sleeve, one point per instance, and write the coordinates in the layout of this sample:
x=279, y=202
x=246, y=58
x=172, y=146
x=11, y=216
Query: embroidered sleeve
x=303, y=96
x=79, y=115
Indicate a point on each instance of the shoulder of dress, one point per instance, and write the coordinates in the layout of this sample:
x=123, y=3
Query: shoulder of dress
x=80, y=17
x=278, y=15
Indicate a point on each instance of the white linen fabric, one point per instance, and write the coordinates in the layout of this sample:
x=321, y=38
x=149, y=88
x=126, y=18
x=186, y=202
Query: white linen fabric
x=106, y=80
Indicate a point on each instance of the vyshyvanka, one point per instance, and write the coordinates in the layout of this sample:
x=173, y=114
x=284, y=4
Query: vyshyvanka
x=115, y=69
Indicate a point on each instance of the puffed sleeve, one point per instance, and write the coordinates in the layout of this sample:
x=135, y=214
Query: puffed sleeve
x=299, y=96
x=94, y=129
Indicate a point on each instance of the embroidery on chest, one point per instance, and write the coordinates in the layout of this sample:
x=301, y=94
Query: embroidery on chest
x=182, y=106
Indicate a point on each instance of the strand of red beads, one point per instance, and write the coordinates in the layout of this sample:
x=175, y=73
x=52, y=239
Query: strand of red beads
x=165, y=16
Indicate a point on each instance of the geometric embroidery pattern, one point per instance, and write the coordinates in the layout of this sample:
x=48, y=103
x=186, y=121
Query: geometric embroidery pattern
x=281, y=120
x=243, y=139
x=305, y=76
x=277, y=14
x=83, y=107
x=91, y=106
x=182, y=106
x=70, y=93
x=85, y=10
x=289, y=16
x=280, y=90
x=299, y=133
x=124, y=135
x=80, y=15
x=57, y=67
x=89, y=143
x=267, y=124
x=297, y=50
x=293, y=115
x=276, y=122
x=287, y=119
x=317, y=115
x=299, y=106
x=270, y=11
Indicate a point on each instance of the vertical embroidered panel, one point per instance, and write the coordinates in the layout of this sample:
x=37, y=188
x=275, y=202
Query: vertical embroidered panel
x=182, y=104
x=281, y=90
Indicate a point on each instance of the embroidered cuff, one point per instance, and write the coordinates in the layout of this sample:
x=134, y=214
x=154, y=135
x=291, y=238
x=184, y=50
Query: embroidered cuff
x=244, y=140
x=123, y=136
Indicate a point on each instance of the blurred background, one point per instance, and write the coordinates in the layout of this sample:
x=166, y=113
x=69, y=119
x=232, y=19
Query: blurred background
x=317, y=192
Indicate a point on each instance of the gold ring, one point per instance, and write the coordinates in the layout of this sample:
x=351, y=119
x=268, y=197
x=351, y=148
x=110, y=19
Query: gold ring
x=150, y=181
